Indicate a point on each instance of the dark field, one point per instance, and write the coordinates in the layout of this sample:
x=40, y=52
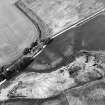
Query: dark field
x=90, y=36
